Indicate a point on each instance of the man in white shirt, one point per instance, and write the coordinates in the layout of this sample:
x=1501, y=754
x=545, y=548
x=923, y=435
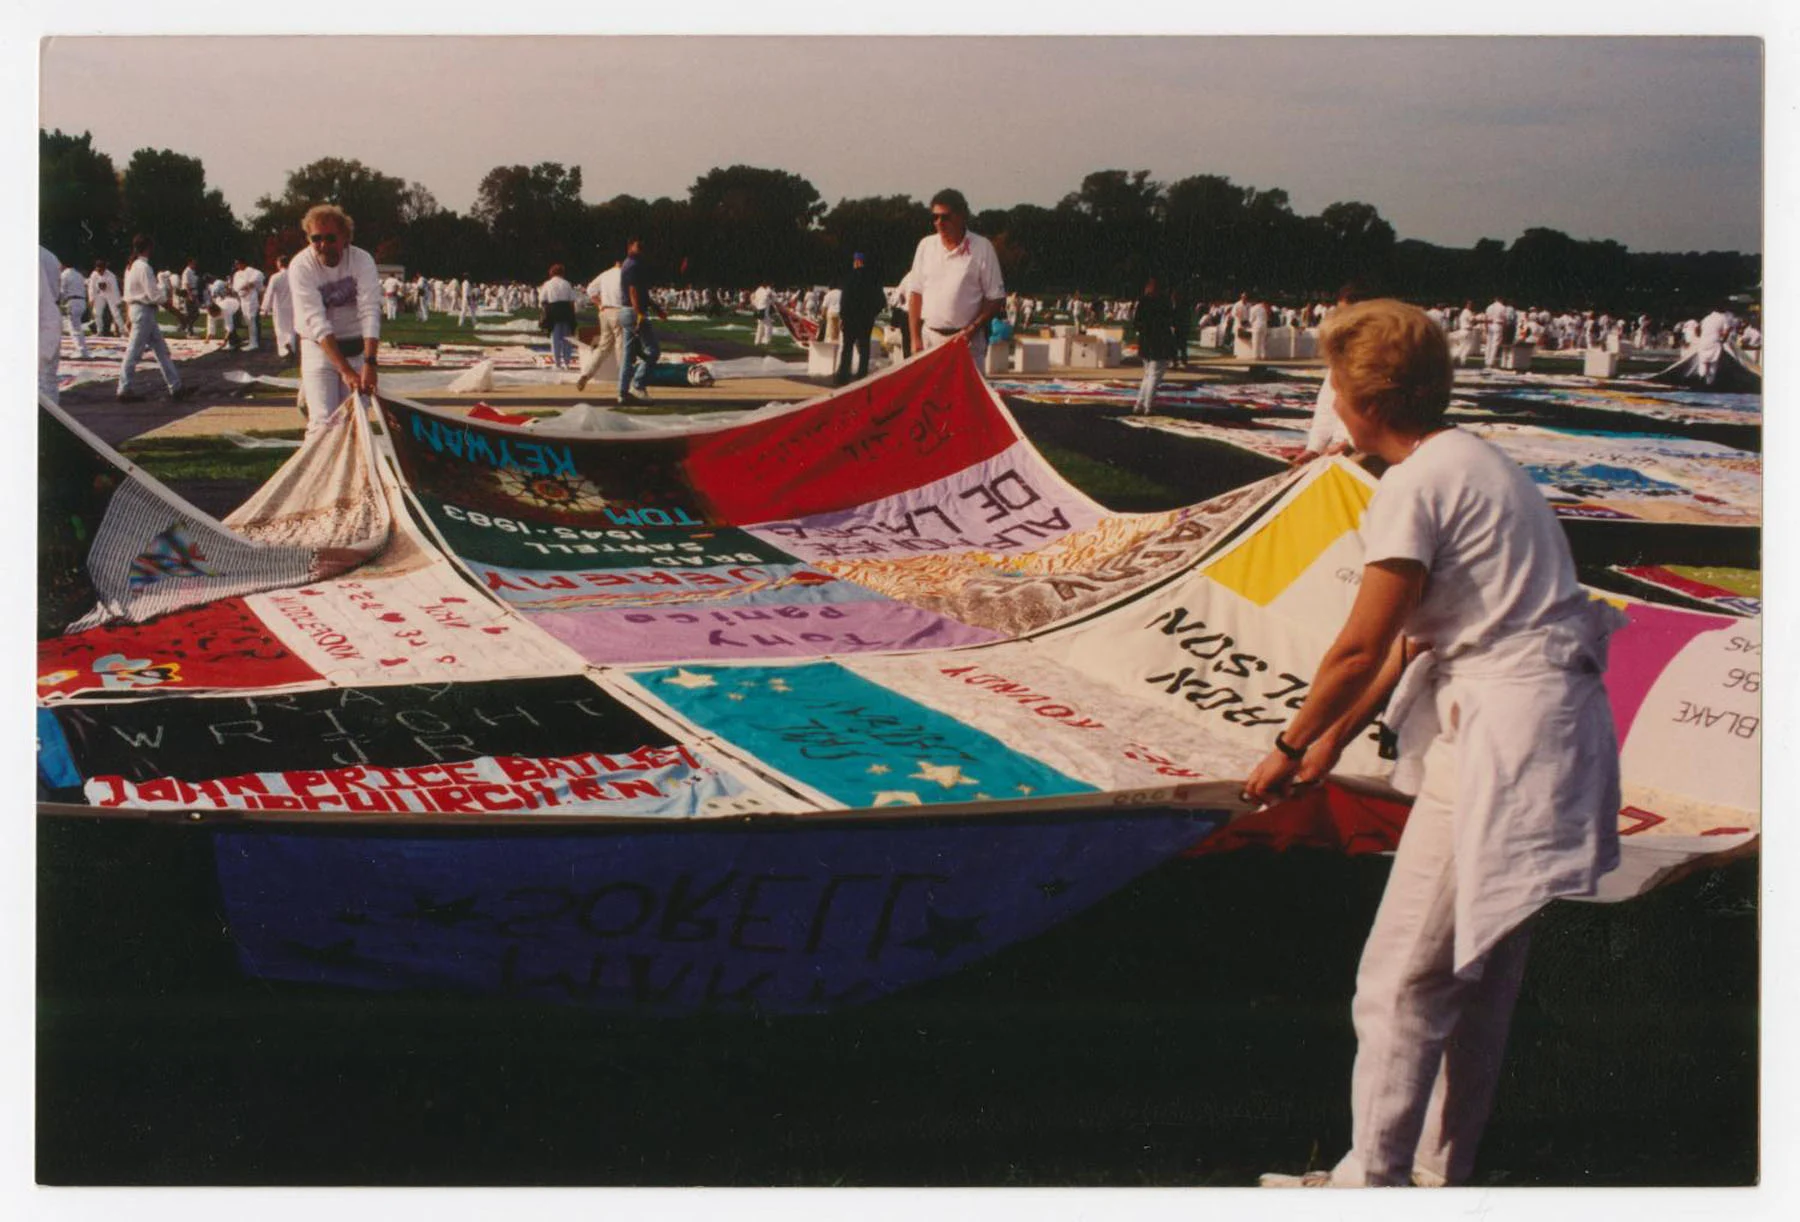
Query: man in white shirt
x=1715, y=329
x=278, y=304
x=421, y=299
x=465, y=302
x=762, y=301
x=1259, y=331
x=956, y=283
x=72, y=289
x=390, y=297
x=607, y=297
x=247, y=283
x=50, y=320
x=103, y=295
x=142, y=296
x=337, y=311
x=834, y=299
x=190, y=301
x=1496, y=315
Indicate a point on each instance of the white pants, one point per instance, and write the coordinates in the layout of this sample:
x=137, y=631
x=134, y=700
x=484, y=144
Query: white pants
x=465, y=310
x=1428, y=1043
x=1490, y=353
x=424, y=314
x=253, y=318
x=1259, y=341
x=1146, y=397
x=101, y=306
x=281, y=317
x=390, y=307
x=78, y=312
x=765, y=333
x=323, y=389
x=611, y=339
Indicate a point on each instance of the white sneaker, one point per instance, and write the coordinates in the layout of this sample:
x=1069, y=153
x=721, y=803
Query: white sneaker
x=1306, y=1179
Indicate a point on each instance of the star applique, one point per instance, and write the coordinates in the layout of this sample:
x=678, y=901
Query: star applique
x=947, y=775
x=879, y=769
x=1025, y=789
x=779, y=685
x=690, y=680
x=896, y=797
x=945, y=935
x=734, y=695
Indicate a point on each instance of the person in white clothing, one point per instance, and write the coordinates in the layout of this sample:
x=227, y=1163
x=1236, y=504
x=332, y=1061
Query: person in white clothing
x=956, y=284
x=833, y=305
x=1715, y=328
x=1259, y=331
x=763, y=302
x=247, y=283
x=72, y=289
x=50, y=324
x=1496, y=315
x=390, y=297
x=421, y=299
x=337, y=313
x=103, y=296
x=556, y=297
x=1469, y=611
x=278, y=304
x=608, y=298
x=465, y=302
x=142, y=297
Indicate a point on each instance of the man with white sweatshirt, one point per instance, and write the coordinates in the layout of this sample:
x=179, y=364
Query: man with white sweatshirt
x=337, y=313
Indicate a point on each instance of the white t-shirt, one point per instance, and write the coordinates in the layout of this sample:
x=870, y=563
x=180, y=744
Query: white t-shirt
x=953, y=284
x=555, y=289
x=1498, y=562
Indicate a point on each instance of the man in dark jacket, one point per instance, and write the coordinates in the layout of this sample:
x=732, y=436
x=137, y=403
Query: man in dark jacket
x=1156, y=343
x=860, y=307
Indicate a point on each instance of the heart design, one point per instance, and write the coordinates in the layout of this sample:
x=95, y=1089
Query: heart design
x=393, y=617
x=312, y=593
x=393, y=661
x=493, y=631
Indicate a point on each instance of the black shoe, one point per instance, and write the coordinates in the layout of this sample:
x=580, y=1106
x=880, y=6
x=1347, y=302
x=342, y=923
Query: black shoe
x=630, y=400
x=129, y=396
x=181, y=392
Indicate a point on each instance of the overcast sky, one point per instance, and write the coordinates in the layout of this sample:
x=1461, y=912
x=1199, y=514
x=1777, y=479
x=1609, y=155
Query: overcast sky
x=1656, y=142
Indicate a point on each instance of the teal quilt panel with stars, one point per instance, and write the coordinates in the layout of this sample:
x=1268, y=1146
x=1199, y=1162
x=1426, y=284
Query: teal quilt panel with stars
x=851, y=738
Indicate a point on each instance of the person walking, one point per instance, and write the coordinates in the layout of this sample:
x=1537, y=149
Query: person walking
x=73, y=291
x=556, y=297
x=142, y=297
x=103, y=297
x=609, y=300
x=1155, y=319
x=278, y=304
x=639, y=350
x=1469, y=612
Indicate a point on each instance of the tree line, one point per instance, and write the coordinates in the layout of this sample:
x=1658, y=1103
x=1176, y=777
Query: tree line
x=743, y=225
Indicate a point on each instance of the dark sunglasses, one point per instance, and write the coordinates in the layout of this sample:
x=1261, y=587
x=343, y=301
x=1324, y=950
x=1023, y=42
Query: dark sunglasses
x=325, y=239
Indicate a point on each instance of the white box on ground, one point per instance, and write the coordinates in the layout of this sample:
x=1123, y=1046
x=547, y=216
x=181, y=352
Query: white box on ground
x=1031, y=356
x=1241, y=348
x=1599, y=363
x=1209, y=337
x=1306, y=345
x=1087, y=352
x=1061, y=331
x=999, y=357
x=821, y=358
x=1517, y=357
x=1116, y=334
x=1059, y=349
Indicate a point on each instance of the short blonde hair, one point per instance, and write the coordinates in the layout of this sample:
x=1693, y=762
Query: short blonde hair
x=1391, y=361
x=320, y=214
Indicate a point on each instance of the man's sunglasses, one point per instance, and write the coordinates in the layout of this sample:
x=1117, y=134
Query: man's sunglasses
x=322, y=239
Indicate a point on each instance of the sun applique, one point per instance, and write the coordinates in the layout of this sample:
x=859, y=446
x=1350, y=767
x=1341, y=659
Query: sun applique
x=559, y=493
